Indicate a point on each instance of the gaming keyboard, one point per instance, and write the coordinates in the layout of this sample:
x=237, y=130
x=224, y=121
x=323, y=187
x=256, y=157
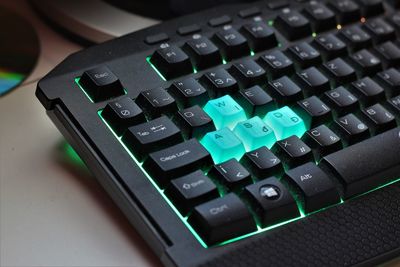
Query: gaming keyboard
x=246, y=135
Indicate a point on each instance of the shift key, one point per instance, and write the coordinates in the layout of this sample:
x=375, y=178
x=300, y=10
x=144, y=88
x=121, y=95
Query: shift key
x=177, y=160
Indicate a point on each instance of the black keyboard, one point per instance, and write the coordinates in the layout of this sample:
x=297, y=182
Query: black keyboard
x=252, y=135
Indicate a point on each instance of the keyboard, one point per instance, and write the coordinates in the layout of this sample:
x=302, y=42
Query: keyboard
x=246, y=135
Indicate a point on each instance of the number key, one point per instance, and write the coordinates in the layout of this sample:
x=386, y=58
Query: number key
x=157, y=101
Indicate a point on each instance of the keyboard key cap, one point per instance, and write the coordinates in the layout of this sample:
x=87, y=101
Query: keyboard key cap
x=380, y=30
x=313, y=111
x=121, y=114
x=231, y=174
x=191, y=190
x=366, y=63
x=347, y=10
x=330, y=46
x=292, y=151
x=232, y=43
x=285, y=123
x=351, y=129
x=219, y=21
x=317, y=190
x=222, y=219
x=378, y=165
x=322, y=17
x=156, y=102
x=379, y=118
x=395, y=104
x=305, y=54
x=223, y=145
x=277, y=63
x=254, y=133
x=341, y=100
x=249, y=12
x=189, y=92
x=292, y=24
x=271, y=201
x=322, y=140
x=150, y=136
x=356, y=37
x=171, y=62
x=285, y=91
x=313, y=81
x=255, y=101
x=101, y=84
x=368, y=91
x=156, y=38
x=194, y=122
x=390, y=79
x=225, y=112
x=189, y=29
x=219, y=82
x=371, y=7
x=340, y=71
x=177, y=160
x=262, y=163
x=390, y=54
x=248, y=73
x=260, y=36
x=203, y=53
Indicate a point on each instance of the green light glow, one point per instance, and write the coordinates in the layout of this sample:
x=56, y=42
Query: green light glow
x=83, y=90
x=279, y=45
x=224, y=61
x=72, y=155
x=252, y=53
x=155, y=69
x=314, y=34
x=271, y=23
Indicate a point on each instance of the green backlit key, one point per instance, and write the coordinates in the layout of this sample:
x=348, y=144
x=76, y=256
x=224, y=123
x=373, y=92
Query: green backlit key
x=285, y=123
x=225, y=112
x=255, y=133
x=223, y=145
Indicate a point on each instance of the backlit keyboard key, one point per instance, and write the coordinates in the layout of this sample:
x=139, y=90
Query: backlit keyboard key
x=255, y=101
x=232, y=44
x=231, y=174
x=285, y=123
x=171, y=61
x=219, y=82
x=292, y=24
x=293, y=151
x=225, y=112
x=262, y=163
x=194, y=122
x=223, y=145
x=255, y=133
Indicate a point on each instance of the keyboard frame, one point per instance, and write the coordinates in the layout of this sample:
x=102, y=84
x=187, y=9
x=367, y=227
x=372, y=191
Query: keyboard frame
x=78, y=120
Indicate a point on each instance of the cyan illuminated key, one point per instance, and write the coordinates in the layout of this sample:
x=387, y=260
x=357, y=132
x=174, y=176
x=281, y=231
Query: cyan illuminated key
x=255, y=133
x=225, y=112
x=285, y=123
x=223, y=145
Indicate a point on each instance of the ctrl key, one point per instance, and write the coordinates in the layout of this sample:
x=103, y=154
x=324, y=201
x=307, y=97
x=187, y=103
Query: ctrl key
x=222, y=219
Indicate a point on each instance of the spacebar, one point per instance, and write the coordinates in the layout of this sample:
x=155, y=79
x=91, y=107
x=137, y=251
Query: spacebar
x=368, y=164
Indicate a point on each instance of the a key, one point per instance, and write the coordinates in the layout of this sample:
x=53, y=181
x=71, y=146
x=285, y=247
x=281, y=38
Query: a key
x=171, y=62
x=313, y=111
x=379, y=118
x=356, y=37
x=285, y=123
x=390, y=54
x=189, y=92
x=394, y=103
x=177, y=160
x=390, y=79
x=150, y=136
x=255, y=133
x=194, y=122
x=277, y=63
x=191, y=190
x=292, y=24
x=255, y=101
x=260, y=36
x=340, y=71
x=262, y=163
x=371, y=7
x=203, y=53
x=223, y=145
x=285, y=91
x=225, y=112
x=347, y=10
x=292, y=151
x=317, y=191
x=156, y=102
x=351, y=129
x=219, y=82
x=330, y=46
x=322, y=18
x=366, y=63
x=101, y=84
x=341, y=100
x=323, y=140
x=121, y=114
x=248, y=73
x=222, y=219
x=232, y=44
x=271, y=201
x=380, y=30
x=305, y=54
x=378, y=165
x=313, y=81
x=231, y=174
x=368, y=91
